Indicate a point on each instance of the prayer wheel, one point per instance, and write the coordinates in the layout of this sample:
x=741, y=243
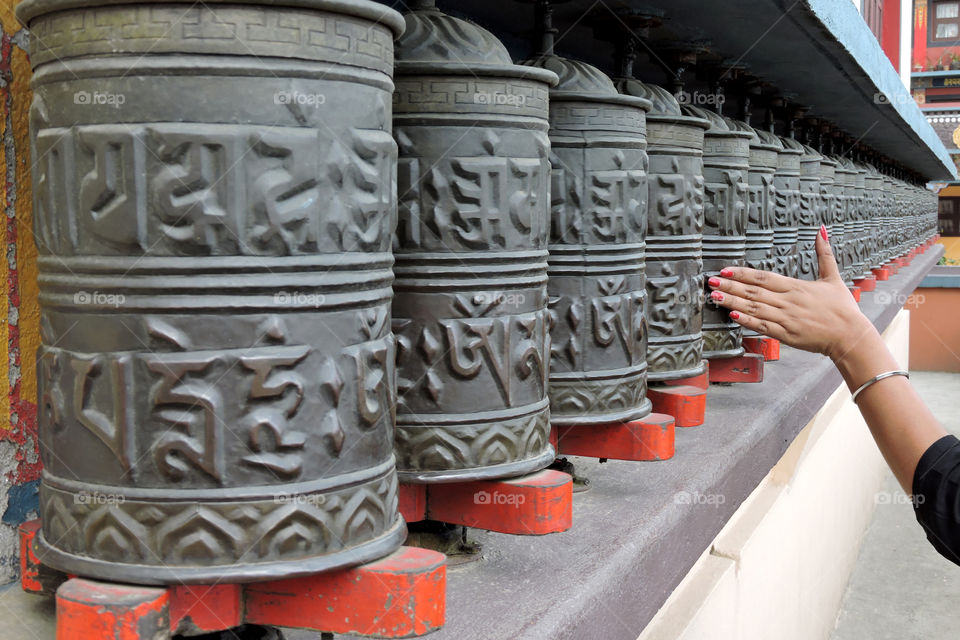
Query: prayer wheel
x=470, y=306
x=214, y=210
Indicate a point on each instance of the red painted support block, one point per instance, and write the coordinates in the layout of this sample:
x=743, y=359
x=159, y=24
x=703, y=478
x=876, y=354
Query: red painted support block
x=35, y=577
x=651, y=438
x=201, y=608
x=855, y=292
x=882, y=274
x=89, y=610
x=893, y=268
x=701, y=381
x=400, y=596
x=767, y=347
x=412, y=503
x=686, y=403
x=532, y=505
x=867, y=284
x=746, y=368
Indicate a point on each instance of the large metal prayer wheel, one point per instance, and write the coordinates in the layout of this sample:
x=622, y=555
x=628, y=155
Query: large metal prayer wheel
x=809, y=212
x=470, y=306
x=786, y=181
x=849, y=174
x=845, y=191
x=216, y=370
x=597, y=288
x=888, y=232
x=761, y=196
x=674, y=262
x=873, y=189
x=828, y=192
x=726, y=161
x=859, y=226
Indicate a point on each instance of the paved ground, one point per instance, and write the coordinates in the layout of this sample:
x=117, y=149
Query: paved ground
x=901, y=589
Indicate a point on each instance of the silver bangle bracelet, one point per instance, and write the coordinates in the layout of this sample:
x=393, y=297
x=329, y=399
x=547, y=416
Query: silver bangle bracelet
x=888, y=374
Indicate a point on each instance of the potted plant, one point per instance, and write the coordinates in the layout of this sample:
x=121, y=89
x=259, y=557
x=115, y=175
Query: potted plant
x=955, y=61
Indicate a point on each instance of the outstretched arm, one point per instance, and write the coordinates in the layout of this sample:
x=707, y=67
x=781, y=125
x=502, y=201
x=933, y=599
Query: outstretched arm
x=822, y=316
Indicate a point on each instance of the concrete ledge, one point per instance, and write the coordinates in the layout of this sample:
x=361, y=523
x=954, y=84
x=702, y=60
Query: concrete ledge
x=635, y=533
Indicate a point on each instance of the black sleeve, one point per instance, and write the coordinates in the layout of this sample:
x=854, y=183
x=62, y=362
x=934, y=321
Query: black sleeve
x=936, y=496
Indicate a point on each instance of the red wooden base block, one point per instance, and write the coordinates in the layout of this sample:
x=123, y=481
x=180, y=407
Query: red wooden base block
x=867, y=284
x=686, y=403
x=769, y=348
x=201, y=608
x=35, y=577
x=648, y=439
x=534, y=505
x=882, y=274
x=89, y=610
x=855, y=292
x=746, y=368
x=400, y=596
x=892, y=267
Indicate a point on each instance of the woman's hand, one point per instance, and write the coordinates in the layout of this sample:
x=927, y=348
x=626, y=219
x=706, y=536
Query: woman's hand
x=819, y=316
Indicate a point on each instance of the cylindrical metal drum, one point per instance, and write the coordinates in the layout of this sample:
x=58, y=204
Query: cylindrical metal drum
x=674, y=235
x=597, y=288
x=761, y=196
x=859, y=226
x=852, y=195
x=786, y=238
x=872, y=187
x=888, y=230
x=828, y=193
x=726, y=160
x=810, y=212
x=213, y=206
x=470, y=305
x=845, y=191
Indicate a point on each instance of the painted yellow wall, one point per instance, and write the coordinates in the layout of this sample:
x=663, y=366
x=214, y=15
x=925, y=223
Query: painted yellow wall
x=19, y=267
x=951, y=247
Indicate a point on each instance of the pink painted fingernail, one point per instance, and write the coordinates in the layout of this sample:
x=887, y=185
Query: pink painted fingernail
x=823, y=233
x=735, y=315
x=716, y=295
x=726, y=273
x=714, y=282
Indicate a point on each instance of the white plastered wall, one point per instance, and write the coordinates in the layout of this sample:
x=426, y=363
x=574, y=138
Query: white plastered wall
x=779, y=567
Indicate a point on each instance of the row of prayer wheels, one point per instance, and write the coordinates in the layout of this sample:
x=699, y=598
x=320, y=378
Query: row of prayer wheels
x=380, y=251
